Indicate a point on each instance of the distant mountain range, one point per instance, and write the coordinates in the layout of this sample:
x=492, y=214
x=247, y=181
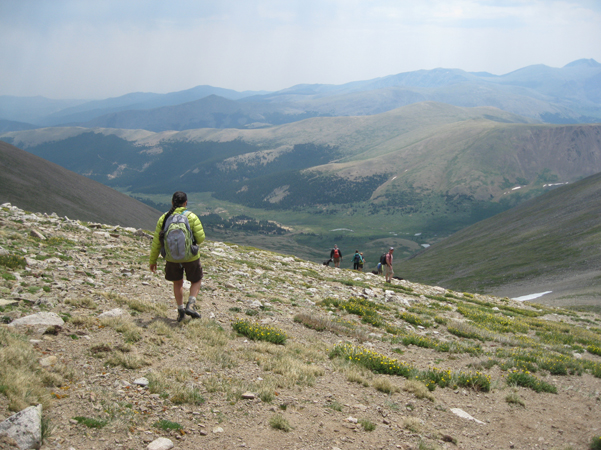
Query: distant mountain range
x=41, y=186
x=548, y=244
x=571, y=94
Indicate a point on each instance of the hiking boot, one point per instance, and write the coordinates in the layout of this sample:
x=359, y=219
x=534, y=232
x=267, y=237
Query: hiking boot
x=191, y=309
x=181, y=313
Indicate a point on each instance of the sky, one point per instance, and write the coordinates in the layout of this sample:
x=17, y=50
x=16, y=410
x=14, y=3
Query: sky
x=94, y=49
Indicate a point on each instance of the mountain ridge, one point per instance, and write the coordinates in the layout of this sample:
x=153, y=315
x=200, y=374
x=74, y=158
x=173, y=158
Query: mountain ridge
x=571, y=94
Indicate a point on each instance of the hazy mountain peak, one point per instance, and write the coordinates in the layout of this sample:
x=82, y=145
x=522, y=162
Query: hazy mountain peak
x=584, y=62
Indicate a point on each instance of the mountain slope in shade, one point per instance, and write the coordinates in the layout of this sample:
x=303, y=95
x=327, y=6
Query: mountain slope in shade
x=550, y=243
x=41, y=186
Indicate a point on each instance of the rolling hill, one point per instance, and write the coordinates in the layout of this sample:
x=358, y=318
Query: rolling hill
x=550, y=243
x=42, y=186
x=425, y=149
x=412, y=175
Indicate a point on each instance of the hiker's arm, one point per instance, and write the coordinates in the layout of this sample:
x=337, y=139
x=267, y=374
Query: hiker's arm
x=155, y=247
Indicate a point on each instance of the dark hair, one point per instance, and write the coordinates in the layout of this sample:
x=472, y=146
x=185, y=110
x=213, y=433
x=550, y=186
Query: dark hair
x=177, y=201
x=179, y=198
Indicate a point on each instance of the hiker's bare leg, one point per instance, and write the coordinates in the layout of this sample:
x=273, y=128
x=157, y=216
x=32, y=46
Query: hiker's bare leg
x=178, y=292
x=194, y=288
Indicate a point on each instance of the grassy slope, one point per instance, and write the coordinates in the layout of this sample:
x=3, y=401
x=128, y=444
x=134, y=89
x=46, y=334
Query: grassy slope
x=39, y=185
x=548, y=243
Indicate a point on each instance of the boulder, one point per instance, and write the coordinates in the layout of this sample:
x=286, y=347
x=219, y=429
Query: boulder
x=40, y=321
x=25, y=428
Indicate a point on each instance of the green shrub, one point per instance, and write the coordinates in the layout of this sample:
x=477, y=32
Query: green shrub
x=167, y=425
x=367, y=425
x=525, y=379
x=90, y=422
x=278, y=422
x=433, y=377
x=594, y=350
x=414, y=319
x=259, y=332
x=12, y=261
x=595, y=443
x=474, y=380
x=514, y=399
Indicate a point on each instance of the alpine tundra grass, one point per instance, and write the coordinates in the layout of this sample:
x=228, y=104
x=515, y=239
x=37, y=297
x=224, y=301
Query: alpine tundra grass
x=354, y=347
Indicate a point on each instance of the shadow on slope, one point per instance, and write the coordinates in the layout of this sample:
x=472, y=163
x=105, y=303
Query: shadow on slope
x=41, y=186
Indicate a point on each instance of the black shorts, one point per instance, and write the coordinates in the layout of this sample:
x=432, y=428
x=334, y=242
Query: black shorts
x=175, y=271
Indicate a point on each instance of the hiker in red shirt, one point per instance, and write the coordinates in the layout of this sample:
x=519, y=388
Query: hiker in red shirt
x=336, y=255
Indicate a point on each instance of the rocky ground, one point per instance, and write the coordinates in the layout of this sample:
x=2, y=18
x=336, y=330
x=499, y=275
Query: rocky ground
x=118, y=372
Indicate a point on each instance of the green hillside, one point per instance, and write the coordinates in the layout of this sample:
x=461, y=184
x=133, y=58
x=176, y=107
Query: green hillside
x=550, y=243
x=410, y=176
x=41, y=186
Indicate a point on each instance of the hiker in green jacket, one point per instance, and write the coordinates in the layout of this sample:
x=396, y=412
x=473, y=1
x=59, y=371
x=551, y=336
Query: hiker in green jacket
x=174, y=269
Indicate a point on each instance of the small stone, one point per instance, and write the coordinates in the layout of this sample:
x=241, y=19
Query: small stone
x=37, y=234
x=248, y=396
x=351, y=419
x=48, y=361
x=217, y=430
x=143, y=381
x=114, y=313
x=160, y=444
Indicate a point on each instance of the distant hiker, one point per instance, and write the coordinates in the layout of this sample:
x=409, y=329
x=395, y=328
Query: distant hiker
x=361, y=263
x=388, y=266
x=176, y=237
x=336, y=255
x=357, y=260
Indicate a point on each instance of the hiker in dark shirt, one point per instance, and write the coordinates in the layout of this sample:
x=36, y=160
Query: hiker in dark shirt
x=357, y=261
x=388, y=267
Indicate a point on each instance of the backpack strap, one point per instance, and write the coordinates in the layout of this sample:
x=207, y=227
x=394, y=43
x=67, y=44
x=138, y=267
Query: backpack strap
x=187, y=213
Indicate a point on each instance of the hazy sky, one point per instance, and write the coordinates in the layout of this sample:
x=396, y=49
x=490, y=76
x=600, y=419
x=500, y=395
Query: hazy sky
x=106, y=48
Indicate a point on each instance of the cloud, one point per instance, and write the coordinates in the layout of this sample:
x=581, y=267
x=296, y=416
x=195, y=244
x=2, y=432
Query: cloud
x=80, y=49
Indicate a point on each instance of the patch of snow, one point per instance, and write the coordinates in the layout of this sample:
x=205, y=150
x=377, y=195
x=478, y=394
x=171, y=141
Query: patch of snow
x=524, y=298
x=417, y=234
x=425, y=245
x=516, y=188
x=342, y=229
